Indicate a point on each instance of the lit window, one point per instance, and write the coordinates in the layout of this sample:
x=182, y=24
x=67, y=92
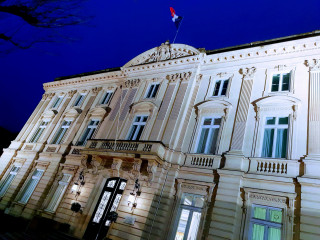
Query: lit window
x=5, y=183
x=59, y=192
x=265, y=223
x=280, y=82
x=88, y=133
x=30, y=186
x=106, y=98
x=152, y=91
x=220, y=88
x=189, y=216
x=209, y=131
x=275, y=137
x=79, y=100
x=57, y=102
x=62, y=131
x=137, y=128
x=39, y=131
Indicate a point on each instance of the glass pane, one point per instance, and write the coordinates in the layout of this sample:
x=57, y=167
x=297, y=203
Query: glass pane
x=58, y=136
x=260, y=213
x=216, y=88
x=137, y=119
x=139, y=133
x=270, y=120
x=257, y=232
x=188, y=200
x=116, y=203
x=101, y=207
x=224, y=88
x=275, y=83
x=281, y=144
x=182, y=224
x=6, y=183
x=275, y=215
x=150, y=91
x=213, y=140
x=267, y=143
x=199, y=200
x=132, y=132
x=202, y=140
x=111, y=184
x=155, y=90
x=144, y=119
x=274, y=233
x=283, y=120
x=217, y=121
x=285, y=81
x=194, y=226
x=122, y=185
x=207, y=121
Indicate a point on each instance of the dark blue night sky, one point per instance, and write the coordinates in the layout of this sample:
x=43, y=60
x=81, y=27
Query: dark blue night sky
x=120, y=30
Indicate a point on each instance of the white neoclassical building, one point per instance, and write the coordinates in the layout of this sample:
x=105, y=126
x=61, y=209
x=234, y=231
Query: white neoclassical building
x=179, y=143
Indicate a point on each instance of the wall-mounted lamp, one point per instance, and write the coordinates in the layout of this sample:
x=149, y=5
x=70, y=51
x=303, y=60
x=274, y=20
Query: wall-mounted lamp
x=136, y=192
x=76, y=187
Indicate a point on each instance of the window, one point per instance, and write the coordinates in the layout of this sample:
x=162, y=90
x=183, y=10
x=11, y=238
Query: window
x=137, y=128
x=59, y=192
x=280, y=82
x=209, y=131
x=5, y=184
x=30, y=186
x=265, y=223
x=79, y=100
x=152, y=91
x=39, y=131
x=189, y=216
x=57, y=102
x=106, y=98
x=275, y=137
x=93, y=124
x=62, y=131
x=220, y=88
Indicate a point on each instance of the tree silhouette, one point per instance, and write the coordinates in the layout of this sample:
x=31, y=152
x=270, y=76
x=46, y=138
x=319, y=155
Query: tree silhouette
x=26, y=22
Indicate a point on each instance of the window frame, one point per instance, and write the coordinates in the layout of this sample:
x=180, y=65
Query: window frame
x=153, y=93
x=103, y=98
x=79, y=100
x=57, y=101
x=281, y=81
x=92, y=130
x=201, y=126
x=33, y=138
x=275, y=136
x=220, y=87
x=62, y=133
x=4, y=180
x=139, y=124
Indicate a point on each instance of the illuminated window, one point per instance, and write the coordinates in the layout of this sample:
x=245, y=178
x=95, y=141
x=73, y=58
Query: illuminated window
x=62, y=131
x=208, y=135
x=39, y=131
x=6, y=182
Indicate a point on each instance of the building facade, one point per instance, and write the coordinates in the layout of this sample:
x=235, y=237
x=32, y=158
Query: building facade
x=180, y=143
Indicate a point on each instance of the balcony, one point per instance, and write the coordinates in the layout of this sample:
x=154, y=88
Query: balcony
x=203, y=161
x=101, y=146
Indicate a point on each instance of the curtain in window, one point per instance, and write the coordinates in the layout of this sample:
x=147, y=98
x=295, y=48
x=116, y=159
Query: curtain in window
x=193, y=230
x=213, y=140
x=274, y=233
x=5, y=184
x=281, y=145
x=267, y=143
x=182, y=224
x=203, y=140
x=260, y=213
x=257, y=232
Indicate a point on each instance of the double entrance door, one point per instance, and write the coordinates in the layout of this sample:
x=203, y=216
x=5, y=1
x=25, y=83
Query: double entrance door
x=106, y=207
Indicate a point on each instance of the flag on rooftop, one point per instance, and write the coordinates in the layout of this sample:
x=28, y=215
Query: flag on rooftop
x=175, y=18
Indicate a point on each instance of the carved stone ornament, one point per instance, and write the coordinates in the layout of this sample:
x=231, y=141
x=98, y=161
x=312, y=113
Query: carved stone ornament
x=71, y=93
x=96, y=90
x=136, y=168
x=164, y=52
x=116, y=164
x=132, y=83
x=184, y=76
x=152, y=169
x=248, y=73
x=48, y=95
x=268, y=198
x=313, y=64
x=198, y=78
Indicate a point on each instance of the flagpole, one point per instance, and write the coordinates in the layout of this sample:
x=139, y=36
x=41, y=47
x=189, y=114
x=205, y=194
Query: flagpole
x=177, y=31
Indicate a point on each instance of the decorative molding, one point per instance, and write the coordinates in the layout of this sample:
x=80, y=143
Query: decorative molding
x=152, y=169
x=71, y=93
x=48, y=96
x=96, y=90
x=132, y=83
x=198, y=78
x=41, y=164
x=248, y=73
x=116, y=164
x=267, y=198
x=136, y=168
x=313, y=64
x=184, y=76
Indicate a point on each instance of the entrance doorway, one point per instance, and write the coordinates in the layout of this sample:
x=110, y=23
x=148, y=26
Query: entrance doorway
x=108, y=202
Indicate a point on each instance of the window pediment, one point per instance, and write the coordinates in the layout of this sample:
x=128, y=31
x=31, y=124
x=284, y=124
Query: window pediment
x=49, y=114
x=98, y=112
x=213, y=106
x=72, y=113
x=143, y=107
x=277, y=103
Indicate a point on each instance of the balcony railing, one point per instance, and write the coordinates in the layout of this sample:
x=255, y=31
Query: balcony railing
x=136, y=147
x=203, y=161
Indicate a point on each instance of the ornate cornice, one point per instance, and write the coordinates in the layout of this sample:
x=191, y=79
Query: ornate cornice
x=248, y=73
x=184, y=76
x=96, y=90
x=132, y=83
x=313, y=64
x=71, y=93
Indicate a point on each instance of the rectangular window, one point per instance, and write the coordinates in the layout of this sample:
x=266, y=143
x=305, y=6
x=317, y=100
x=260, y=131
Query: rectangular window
x=30, y=186
x=5, y=183
x=275, y=137
x=280, y=82
x=57, y=102
x=79, y=100
x=106, y=98
x=220, y=88
x=152, y=91
x=62, y=131
x=137, y=128
x=88, y=133
x=189, y=217
x=265, y=223
x=39, y=131
x=59, y=192
x=209, y=132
